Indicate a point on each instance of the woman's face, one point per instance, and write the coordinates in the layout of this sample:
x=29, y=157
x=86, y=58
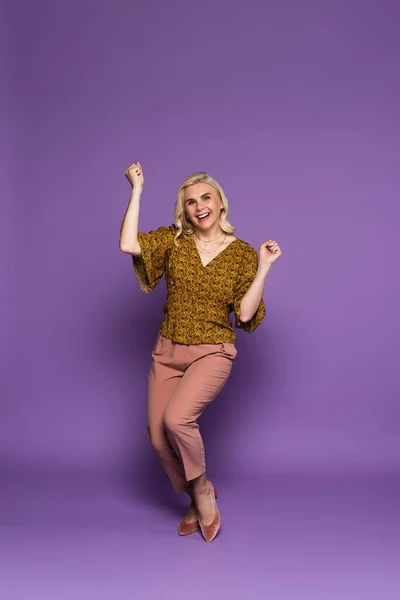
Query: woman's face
x=200, y=199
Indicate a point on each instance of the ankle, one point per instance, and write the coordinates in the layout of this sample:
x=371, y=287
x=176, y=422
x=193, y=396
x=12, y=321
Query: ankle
x=190, y=492
x=202, y=490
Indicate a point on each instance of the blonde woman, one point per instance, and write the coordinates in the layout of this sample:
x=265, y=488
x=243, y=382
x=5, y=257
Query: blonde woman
x=209, y=274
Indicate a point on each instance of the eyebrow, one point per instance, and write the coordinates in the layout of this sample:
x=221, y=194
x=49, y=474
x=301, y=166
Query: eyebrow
x=202, y=196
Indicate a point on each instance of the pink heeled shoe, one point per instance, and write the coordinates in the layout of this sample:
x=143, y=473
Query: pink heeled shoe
x=188, y=527
x=210, y=531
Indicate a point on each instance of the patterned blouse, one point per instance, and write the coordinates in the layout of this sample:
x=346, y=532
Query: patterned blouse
x=200, y=298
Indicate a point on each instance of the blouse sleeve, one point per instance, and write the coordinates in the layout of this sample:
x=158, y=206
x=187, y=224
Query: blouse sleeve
x=247, y=272
x=150, y=265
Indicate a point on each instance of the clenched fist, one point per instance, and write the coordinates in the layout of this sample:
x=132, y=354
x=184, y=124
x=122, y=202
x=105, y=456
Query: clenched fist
x=269, y=252
x=134, y=175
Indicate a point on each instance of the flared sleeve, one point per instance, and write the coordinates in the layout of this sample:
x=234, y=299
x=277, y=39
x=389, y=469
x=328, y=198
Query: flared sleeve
x=246, y=274
x=150, y=265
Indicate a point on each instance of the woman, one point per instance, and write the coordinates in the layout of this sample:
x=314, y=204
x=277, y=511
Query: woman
x=209, y=274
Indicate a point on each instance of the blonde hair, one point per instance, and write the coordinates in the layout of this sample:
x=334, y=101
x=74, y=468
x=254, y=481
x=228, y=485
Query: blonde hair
x=185, y=227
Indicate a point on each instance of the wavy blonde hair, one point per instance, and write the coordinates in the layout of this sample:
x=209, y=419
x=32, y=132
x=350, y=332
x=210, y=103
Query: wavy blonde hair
x=185, y=227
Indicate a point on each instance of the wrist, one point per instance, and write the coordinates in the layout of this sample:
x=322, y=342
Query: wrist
x=264, y=268
x=136, y=193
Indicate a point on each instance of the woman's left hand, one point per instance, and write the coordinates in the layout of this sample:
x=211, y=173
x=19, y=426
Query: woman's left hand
x=269, y=252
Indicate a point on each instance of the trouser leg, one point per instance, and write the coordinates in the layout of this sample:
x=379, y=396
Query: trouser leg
x=201, y=383
x=163, y=380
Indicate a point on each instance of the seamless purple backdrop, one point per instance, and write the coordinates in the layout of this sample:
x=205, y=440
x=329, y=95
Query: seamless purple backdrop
x=294, y=108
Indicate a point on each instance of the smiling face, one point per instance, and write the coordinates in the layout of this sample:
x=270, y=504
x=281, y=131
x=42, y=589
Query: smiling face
x=202, y=199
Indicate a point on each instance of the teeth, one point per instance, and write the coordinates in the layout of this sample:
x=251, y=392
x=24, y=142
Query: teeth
x=203, y=216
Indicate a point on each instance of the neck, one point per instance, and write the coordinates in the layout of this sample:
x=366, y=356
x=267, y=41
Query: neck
x=209, y=235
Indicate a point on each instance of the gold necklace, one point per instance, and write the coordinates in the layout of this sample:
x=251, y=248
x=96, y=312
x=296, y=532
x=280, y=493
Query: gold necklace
x=213, y=249
x=208, y=241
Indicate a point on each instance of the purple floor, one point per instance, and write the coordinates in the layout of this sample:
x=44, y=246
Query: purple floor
x=283, y=536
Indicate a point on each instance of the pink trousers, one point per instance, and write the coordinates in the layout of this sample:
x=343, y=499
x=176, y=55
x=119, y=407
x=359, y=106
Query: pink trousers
x=183, y=379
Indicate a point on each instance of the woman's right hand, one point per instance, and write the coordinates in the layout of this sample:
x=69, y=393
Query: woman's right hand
x=134, y=175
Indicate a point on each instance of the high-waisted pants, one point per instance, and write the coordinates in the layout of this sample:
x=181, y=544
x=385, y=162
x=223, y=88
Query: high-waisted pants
x=183, y=380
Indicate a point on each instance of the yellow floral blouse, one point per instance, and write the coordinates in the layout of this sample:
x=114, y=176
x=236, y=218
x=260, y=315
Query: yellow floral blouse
x=200, y=298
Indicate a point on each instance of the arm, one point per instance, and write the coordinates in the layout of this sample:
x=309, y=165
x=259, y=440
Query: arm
x=252, y=298
x=149, y=250
x=248, y=305
x=252, y=302
x=128, y=241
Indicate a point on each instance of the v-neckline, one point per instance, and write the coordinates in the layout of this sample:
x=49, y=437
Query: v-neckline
x=215, y=257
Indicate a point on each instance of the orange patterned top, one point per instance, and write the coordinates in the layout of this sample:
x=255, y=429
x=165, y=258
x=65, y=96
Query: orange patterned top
x=200, y=298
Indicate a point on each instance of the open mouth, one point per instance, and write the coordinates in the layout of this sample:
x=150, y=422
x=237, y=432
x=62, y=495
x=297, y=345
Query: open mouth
x=203, y=217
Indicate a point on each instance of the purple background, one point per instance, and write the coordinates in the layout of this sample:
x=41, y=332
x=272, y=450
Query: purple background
x=294, y=108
